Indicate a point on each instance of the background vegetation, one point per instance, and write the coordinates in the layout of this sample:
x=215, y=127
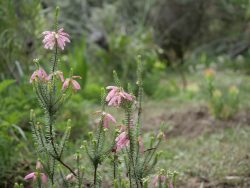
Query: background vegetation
x=178, y=41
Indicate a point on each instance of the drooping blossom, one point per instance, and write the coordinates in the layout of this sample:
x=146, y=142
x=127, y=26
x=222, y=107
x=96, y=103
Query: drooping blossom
x=157, y=179
x=70, y=81
x=107, y=118
x=39, y=165
x=52, y=38
x=57, y=74
x=39, y=74
x=34, y=175
x=116, y=95
x=122, y=141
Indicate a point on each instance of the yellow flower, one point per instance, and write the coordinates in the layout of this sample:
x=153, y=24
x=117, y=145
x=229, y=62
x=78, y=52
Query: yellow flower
x=233, y=90
x=209, y=73
x=217, y=93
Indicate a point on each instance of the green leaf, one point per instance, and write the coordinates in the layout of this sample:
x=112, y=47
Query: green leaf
x=6, y=83
x=20, y=131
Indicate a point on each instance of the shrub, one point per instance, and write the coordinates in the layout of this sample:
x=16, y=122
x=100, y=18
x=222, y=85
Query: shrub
x=223, y=105
x=123, y=145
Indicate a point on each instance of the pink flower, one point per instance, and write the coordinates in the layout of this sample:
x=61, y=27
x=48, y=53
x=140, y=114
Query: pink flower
x=122, y=141
x=171, y=185
x=116, y=95
x=70, y=81
x=58, y=74
x=33, y=176
x=52, y=38
x=39, y=165
x=107, y=118
x=158, y=178
x=39, y=74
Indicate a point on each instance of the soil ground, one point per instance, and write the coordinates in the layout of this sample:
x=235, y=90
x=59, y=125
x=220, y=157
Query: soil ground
x=190, y=123
x=193, y=121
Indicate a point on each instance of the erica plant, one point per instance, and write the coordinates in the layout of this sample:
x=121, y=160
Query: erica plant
x=52, y=90
x=122, y=144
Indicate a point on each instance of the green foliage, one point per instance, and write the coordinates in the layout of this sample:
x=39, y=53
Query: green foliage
x=151, y=83
x=91, y=92
x=78, y=110
x=99, y=147
x=4, y=84
x=122, y=53
x=14, y=103
x=222, y=104
x=20, y=25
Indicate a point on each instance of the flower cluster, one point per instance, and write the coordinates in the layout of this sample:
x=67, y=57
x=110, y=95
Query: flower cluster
x=41, y=75
x=52, y=38
x=116, y=96
x=37, y=176
x=121, y=141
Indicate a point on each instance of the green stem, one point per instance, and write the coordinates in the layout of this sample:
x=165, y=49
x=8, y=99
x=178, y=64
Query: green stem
x=55, y=59
x=115, y=165
x=131, y=144
x=95, y=174
x=78, y=171
x=52, y=136
x=66, y=166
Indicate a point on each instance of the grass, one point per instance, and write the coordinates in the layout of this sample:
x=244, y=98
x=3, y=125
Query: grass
x=220, y=158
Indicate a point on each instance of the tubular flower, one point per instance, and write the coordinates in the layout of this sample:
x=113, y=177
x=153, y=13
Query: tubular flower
x=70, y=81
x=52, y=38
x=122, y=141
x=39, y=165
x=117, y=95
x=34, y=175
x=39, y=74
x=59, y=74
x=159, y=178
x=107, y=118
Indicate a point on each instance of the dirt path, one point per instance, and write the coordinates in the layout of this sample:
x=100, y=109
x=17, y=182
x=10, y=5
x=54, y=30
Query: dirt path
x=192, y=121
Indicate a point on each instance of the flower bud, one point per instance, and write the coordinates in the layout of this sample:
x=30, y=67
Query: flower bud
x=90, y=135
x=162, y=171
x=39, y=165
x=85, y=143
x=94, y=141
x=160, y=135
x=31, y=114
